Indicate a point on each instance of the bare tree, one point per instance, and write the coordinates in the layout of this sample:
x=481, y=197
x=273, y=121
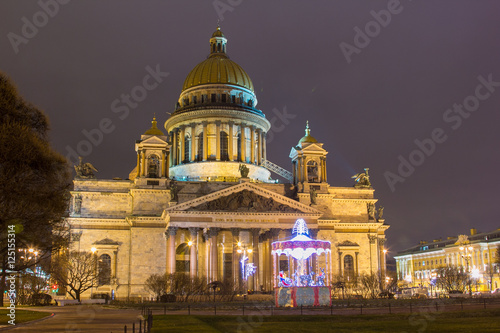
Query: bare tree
x=370, y=284
x=76, y=271
x=157, y=285
x=451, y=278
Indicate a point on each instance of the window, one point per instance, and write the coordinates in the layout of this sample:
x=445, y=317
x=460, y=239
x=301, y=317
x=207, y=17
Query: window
x=348, y=265
x=213, y=98
x=187, y=149
x=223, y=98
x=312, y=172
x=200, y=147
x=104, y=269
x=153, y=166
x=233, y=99
x=224, y=154
x=182, y=258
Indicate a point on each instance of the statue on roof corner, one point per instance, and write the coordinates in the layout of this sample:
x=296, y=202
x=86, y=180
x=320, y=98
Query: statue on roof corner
x=244, y=170
x=84, y=170
x=362, y=179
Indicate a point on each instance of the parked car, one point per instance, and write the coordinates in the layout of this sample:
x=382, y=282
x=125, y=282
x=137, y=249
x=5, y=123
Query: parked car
x=457, y=294
x=496, y=292
x=386, y=294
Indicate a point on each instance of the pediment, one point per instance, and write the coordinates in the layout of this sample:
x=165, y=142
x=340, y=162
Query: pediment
x=106, y=241
x=314, y=148
x=154, y=140
x=245, y=197
x=348, y=243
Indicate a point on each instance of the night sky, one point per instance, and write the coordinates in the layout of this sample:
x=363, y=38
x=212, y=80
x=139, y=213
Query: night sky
x=370, y=76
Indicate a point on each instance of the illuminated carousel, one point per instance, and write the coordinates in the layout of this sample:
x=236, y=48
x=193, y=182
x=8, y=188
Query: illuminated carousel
x=303, y=275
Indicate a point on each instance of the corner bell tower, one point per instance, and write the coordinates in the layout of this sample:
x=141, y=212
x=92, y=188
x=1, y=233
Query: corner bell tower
x=309, y=164
x=153, y=152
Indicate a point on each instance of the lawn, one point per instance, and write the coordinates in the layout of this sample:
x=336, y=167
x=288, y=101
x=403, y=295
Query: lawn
x=472, y=321
x=21, y=316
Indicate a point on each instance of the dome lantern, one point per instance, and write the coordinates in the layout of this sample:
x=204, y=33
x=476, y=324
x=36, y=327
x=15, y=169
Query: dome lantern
x=218, y=43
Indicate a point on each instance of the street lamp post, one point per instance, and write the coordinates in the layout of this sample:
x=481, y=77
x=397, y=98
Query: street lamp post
x=247, y=269
x=467, y=256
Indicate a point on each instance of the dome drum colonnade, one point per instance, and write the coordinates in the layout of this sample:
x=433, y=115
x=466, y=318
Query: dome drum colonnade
x=216, y=121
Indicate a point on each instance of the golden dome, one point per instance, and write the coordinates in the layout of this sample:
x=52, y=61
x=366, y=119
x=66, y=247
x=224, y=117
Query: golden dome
x=308, y=138
x=154, y=130
x=218, y=68
x=218, y=33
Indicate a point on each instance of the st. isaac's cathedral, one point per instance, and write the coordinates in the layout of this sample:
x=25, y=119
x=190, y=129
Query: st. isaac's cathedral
x=201, y=195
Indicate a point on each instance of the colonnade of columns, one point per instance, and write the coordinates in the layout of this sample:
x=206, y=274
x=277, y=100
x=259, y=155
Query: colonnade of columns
x=210, y=250
x=200, y=148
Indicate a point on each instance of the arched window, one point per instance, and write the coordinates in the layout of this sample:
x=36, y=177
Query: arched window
x=182, y=258
x=312, y=172
x=104, y=269
x=348, y=266
x=153, y=166
x=239, y=147
x=199, y=157
x=224, y=154
x=187, y=149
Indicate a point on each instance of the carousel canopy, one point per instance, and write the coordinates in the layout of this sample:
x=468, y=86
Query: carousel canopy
x=301, y=246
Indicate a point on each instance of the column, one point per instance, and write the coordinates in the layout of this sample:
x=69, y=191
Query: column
x=299, y=170
x=193, y=256
x=274, y=270
x=205, y=140
x=217, y=140
x=235, y=262
x=138, y=164
x=182, y=142
x=264, y=151
x=304, y=168
x=252, y=144
x=163, y=164
x=230, y=140
x=193, y=142
x=243, y=145
x=214, y=259
x=259, y=146
x=175, y=159
x=255, y=254
x=167, y=166
x=171, y=232
x=143, y=166
x=265, y=262
x=324, y=170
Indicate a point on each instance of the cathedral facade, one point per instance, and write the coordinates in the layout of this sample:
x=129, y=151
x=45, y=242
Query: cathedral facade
x=201, y=193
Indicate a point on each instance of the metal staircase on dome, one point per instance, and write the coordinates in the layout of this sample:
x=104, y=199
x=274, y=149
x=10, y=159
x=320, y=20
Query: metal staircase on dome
x=278, y=170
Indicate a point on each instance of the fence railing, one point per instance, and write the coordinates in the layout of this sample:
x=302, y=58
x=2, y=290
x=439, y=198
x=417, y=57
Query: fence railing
x=144, y=322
